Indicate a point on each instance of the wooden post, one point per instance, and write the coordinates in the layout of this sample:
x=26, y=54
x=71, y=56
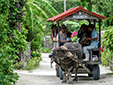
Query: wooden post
x=99, y=33
x=58, y=42
x=89, y=21
x=99, y=39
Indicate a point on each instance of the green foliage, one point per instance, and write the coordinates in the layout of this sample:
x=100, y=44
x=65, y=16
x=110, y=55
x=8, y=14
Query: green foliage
x=30, y=35
x=7, y=77
x=109, y=73
x=36, y=54
x=109, y=38
x=16, y=12
x=16, y=41
x=50, y=41
x=74, y=39
x=18, y=65
x=10, y=39
x=37, y=11
x=59, y=4
x=87, y=3
x=24, y=31
x=37, y=43
x=45, y=50
x=73, y=25
x=105, y=7
x=30, y=64
x=12, y=13
x=107, y=55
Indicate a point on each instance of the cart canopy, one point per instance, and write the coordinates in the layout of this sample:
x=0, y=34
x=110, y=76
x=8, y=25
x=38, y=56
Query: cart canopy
x=77, y=13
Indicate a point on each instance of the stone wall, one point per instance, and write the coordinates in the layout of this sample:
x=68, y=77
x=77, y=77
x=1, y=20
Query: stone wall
x=47, y=42
x=27, y=53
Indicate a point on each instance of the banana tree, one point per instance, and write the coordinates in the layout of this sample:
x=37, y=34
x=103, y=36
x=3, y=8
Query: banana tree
x=35, y=16
x=36, y=13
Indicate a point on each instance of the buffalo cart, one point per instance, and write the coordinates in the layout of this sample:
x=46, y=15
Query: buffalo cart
x=79, y=13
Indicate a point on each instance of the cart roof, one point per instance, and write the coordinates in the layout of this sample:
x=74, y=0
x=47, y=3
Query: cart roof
x=77, y=13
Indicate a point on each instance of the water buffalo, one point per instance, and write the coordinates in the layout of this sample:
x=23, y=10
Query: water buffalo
x=67, y=57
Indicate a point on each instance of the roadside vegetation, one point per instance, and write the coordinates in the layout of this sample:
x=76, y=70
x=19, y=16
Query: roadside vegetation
x=23, y=21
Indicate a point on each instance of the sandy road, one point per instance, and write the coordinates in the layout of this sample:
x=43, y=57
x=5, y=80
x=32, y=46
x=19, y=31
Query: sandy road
x=45, y=75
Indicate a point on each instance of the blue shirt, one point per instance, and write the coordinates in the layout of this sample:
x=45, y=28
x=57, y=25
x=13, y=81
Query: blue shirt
x=94, y=34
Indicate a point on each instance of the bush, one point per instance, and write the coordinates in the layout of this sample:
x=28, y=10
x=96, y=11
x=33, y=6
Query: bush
x=32, y=64
x=107, y=55
x=18, y=65
x=45, y=50
x=35, y=54
x=7, y=76
x=111, y=64
x=29, y=65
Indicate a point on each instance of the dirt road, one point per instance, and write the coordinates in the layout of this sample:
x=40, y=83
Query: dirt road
x=45, y=75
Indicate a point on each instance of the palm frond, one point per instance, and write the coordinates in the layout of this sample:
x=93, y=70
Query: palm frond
x=38, y=25
x=31, y=17
x=44, y=5
x=38, y=10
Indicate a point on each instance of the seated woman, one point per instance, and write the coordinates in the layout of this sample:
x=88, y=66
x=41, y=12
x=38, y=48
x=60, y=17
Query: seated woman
x=61, y=36
x=83, y=33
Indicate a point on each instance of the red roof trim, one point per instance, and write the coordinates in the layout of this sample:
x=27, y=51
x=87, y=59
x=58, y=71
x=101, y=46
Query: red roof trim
x=74, y=10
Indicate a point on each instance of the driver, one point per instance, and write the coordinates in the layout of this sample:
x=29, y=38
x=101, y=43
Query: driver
x=94, y=41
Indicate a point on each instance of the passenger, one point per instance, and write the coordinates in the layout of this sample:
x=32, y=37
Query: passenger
x=94, y=42
x=68, y=33
x=54, y=32
x=62, y=35
x=83, y=33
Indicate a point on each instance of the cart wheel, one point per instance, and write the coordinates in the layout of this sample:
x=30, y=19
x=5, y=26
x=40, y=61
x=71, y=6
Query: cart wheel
x=90, y=75
x=60, y=73
x=57, y=71
x=96, y=72
x=91, y=69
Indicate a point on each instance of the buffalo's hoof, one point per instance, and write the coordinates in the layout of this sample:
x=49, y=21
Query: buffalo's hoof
x=70, y=82
x=64, y=81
